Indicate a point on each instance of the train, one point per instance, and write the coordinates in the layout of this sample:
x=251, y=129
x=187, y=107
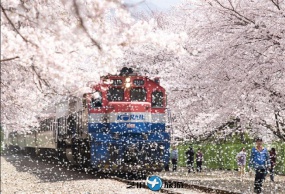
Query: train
x=116, y=125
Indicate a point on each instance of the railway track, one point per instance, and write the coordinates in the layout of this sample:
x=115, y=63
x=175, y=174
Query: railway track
x=203, y=188
x=187, y=187
x=134, y=182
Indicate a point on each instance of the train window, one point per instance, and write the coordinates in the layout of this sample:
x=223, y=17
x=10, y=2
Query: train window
x=65, y=124
x=117, y=82
x=59, y=125
x=157, y=99
x=49, y=123
x=53, y=125
x=138, y=82
x=78, y=121
x=71, y=124
x=138, y=94
x=115, y=94
x=96, y=100
x=43, y=125
x=84, y=101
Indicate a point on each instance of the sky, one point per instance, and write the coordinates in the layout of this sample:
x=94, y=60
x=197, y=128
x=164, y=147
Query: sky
x=160, y=5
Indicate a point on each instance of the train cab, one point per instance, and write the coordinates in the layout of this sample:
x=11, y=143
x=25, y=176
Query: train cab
x=126, y=120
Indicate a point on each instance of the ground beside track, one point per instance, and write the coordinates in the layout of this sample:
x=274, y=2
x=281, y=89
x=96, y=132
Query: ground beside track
x=21, y=174
x=225, y=180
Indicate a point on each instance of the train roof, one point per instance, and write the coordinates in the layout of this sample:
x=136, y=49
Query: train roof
x=49, y=112
x=80, y=92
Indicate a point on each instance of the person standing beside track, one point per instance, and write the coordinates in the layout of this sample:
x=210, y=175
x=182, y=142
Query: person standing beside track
x=241, y=162
x=273, y=157
x=260, y=162
x=199, y=160
x=174, y=158
x=190, y=159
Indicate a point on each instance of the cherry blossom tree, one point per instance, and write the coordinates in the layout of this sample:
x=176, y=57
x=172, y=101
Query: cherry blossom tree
x=231, y=64
x=219, y=59
x=246, y=60
x=51, y=48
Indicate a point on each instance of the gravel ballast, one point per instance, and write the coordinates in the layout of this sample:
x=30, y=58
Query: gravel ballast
x=20, y=174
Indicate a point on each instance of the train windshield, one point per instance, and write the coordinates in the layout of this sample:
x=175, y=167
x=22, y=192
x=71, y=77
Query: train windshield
x=115, y=94
x=138, y=94
x=157, y=99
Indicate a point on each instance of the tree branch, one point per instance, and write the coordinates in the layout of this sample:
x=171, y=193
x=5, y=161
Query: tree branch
x=233, y=10
x=39, y=77
x=276, y=133
x=9, y=59
x=276, y=4
x=13, y=26
x=83, y=25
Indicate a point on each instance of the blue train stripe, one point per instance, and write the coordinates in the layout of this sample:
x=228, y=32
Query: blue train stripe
x=125, y=127
x=126, y=137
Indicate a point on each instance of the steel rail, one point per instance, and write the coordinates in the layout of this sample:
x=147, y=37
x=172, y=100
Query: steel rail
x=162, y=190
x=185, y=186
x=201, y=187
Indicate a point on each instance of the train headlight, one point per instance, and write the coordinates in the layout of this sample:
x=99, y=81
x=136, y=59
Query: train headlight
x=128, y=85
x=128, y=80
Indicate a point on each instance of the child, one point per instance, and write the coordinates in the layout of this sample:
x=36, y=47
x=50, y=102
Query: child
x=241, y=162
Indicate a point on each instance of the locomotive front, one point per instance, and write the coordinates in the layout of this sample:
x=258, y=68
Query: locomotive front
x=127, y=124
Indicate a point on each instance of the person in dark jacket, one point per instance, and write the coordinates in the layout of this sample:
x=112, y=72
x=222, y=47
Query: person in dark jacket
x=199, y=160
x=260, y=162
x=273, y=157
x=190, y=159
